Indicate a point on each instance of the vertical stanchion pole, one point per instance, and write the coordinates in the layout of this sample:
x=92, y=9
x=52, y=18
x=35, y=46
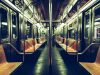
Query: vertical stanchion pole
x=23, y=32
x=50, y=37
x=77, y=29
x=66, y=26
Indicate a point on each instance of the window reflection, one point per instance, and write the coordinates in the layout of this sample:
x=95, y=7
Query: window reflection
x=86, y=26
x=97, y=24
x=75, y=29
x=71, y=33
x=4, y=25
x=28, y=30
x=14, y=26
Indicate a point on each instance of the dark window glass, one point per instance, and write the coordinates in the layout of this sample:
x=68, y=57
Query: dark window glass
x=97, y=24
x=14, y=26
x=86, y=26
x=71, y=33
x=4, y=25
x=75, y=29
x=29, y=29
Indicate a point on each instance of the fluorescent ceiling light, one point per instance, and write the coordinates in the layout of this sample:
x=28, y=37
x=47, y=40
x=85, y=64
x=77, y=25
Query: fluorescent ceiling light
x=17, y=9
x=89, y=4
x=14, y=25
x=28, y=19
x=38, y=25
x=97, y=19
x=27, y=3
x=4, y=23
x=87, y=26
x=62, y=25
x=12, y=5
x=97, y=23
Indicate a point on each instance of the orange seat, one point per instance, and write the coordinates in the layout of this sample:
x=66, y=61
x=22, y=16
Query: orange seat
x=30, y=42
x=73, y=47
x=5, y=67
x=70, y=42
x=93, y=68
x=63, y=45
x=60, y=40
x=64, y=42
x=40, y=40
x=36, y=44
x=28, y=48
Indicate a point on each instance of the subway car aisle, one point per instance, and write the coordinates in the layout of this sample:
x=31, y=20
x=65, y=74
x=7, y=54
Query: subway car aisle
x=39, y=65
x=61, y=66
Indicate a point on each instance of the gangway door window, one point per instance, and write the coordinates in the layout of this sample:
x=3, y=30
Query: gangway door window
x=29, y=28
x=14, y=26
x=86, y=25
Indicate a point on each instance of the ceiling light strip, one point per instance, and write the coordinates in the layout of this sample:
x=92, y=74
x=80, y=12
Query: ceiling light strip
x=12, y=5
x=89, y=4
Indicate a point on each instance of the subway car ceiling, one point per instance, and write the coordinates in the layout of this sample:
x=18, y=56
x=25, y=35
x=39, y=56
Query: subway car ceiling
x=37, y=11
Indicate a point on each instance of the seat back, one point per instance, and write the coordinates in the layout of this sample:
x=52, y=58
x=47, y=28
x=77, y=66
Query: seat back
x=98, y=57
x=65, y=41
x=70, y=42
x=30, y=42
x=40, y=40
x=74, y=45
x=26, y=45
x=61, y=40
x=2, y=56
x=35, y=41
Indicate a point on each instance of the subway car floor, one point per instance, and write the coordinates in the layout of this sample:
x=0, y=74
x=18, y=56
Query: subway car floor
x=40, y=64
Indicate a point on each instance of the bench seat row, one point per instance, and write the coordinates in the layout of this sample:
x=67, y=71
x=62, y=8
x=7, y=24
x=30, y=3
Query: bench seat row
x=31, y=45
x=71, y=44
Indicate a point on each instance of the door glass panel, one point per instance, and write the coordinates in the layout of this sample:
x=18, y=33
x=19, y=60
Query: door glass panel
x=97, y=24
x=86, y=25
x=71, y=33
x=28, y=30
x=14, y=26
x=75, y=29
x=4, y=25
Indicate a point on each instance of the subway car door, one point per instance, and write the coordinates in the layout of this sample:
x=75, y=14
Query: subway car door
x=13, y=35
x=4, y=30
x=87, y=35
x=95, y=30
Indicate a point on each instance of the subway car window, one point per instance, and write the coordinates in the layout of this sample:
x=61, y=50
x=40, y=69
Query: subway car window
x=71, y=33
x=28, y=29
x=97, y=24
x=14, y=26
x=79, y=28
x=75, y=29
x=4, y=25
x=86, y=25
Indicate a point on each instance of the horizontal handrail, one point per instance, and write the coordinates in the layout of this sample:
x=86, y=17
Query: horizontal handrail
x=89, y=47
x=16, y=49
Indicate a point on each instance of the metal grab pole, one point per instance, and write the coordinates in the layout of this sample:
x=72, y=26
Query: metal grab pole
x=77, y=29
x=23, y=33
x=50, y=37
x=66, y=27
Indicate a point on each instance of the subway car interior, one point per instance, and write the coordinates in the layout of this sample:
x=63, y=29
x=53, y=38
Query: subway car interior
x=49, y=37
